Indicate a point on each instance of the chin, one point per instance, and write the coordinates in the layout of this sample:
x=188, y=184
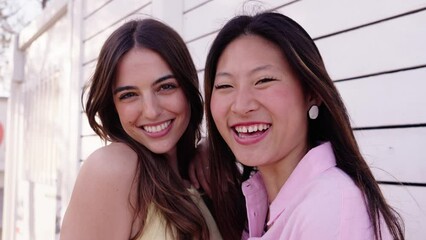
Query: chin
x=250, y=162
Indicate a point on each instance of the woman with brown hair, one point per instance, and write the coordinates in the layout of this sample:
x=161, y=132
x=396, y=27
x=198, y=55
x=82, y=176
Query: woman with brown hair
x=272, y=107
x=144, y=99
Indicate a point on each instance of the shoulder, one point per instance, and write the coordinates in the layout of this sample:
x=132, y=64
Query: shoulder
x=111, y=161
x=334, y=193
x=108, y=170
x=334, y=205
x=334, y=182
x=99, y=204
x=113, y=153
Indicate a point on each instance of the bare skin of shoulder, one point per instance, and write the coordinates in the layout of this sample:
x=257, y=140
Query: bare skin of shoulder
x=100, y=207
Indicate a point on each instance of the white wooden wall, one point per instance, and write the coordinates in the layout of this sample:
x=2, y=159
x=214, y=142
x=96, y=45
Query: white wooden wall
x=373, y=50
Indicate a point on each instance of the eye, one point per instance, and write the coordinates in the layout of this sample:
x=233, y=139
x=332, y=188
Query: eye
x=222, y=86
x=265, y=80
x=168, y=86
x=126, y=95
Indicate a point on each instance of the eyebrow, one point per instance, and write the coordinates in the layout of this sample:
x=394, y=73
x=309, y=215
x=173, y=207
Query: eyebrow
x=256, y=69
x=125, y=88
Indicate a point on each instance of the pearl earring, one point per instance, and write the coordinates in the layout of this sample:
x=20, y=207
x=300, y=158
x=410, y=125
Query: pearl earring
x=313, y=112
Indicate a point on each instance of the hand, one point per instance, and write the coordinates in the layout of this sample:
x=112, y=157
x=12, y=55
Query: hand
x=199, y=172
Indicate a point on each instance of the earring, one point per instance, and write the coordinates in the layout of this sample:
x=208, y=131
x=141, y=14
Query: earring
x=313, y=112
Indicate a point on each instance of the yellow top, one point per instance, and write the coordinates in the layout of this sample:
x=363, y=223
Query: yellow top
x=155, y=225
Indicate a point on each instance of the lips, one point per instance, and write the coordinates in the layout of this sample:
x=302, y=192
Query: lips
x=156, y=128
x=250, y=133
x=252, y=128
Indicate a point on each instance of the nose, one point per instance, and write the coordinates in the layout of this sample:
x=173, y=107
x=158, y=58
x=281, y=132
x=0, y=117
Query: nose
x=151, y=106
x=244, y=102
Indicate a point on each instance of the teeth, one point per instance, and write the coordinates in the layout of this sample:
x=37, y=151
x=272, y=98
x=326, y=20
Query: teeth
x=252, y=128
x=158, y=128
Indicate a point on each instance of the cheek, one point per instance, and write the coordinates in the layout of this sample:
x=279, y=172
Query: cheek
x=289, y=100
x=180, y=105
x=126, y=113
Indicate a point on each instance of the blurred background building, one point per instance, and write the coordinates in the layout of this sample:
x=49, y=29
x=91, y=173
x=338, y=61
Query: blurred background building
x=374, y=50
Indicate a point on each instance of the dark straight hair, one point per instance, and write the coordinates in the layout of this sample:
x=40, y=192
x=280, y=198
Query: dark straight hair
x=332, y=124
x=156, y=183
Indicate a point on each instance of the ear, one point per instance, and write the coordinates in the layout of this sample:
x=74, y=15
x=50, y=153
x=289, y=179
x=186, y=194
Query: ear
x=312, y=99
x=313, y=104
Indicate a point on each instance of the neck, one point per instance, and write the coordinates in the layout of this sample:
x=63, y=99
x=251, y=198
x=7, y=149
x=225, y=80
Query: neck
x=275, y=175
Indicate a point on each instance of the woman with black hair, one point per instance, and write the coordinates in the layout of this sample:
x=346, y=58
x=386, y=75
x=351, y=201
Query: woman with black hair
x=272, y=107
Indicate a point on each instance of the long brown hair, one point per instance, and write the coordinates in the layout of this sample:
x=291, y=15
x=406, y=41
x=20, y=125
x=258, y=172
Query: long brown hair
x=332, y=124
x=156, y=183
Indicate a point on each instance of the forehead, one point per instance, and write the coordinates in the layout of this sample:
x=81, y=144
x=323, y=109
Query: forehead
x=249, y=52
x=138, y=57
x=141, y=64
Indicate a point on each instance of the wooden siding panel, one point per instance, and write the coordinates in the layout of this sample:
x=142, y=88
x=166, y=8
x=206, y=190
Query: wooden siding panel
x=199, y=50
x=109, y=15
x=393, y=154
x=386, y=46
x=93, y=46
x=389, y=99
x=93, y=5
x=88, y=70
x=211, y=16
x=190, y=4
x=324, y=17
x=410, y=202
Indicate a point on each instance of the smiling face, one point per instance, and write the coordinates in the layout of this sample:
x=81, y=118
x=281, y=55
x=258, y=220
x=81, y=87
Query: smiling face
x=152, y=107
x=258, y=104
